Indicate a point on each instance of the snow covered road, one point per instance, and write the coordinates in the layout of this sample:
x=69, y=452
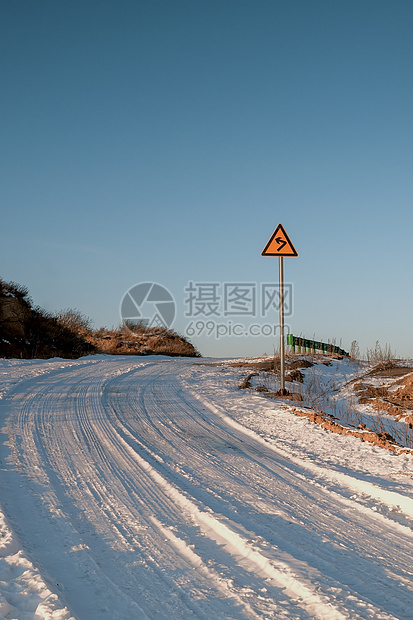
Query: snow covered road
x=146, y=488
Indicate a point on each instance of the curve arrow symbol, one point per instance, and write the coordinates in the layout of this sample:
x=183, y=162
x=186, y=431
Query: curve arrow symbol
x=281, y=243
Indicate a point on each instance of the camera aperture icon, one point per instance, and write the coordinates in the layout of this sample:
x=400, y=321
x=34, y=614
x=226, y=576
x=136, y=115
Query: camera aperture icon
x=148, y=304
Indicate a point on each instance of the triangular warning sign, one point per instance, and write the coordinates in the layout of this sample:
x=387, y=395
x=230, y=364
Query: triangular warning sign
x=279, y=244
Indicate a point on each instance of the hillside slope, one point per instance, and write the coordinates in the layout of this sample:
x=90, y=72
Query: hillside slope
x=29, y=332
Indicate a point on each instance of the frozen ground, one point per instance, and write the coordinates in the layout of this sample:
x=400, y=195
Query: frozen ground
x=333, y=386
x=153, y=488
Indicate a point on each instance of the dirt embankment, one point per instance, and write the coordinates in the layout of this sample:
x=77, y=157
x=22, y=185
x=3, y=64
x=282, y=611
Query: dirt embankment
x=398, y=402
x=395, y=399
x=141, y=341
x=384, y=440
x=29, y=332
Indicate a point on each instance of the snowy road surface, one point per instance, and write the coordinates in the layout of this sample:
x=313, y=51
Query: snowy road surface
x=153, y=488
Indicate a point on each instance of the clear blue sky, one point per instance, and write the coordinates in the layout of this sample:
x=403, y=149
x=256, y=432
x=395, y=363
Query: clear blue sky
x=146, y=140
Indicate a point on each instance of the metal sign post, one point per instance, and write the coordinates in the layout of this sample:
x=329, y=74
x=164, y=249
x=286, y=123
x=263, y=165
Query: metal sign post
x=282, y=347
x=280, y=245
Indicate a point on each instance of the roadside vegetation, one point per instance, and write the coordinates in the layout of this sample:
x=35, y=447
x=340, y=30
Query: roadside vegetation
x=29, y=332
x=371, y=399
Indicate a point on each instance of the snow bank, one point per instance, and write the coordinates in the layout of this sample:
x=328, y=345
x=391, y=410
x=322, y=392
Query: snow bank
x=24, y=593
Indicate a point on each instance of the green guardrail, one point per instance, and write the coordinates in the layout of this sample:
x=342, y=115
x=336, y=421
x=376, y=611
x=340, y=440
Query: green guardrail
x=313, y=345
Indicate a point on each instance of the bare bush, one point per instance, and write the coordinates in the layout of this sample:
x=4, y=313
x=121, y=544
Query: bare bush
x=383, y=357
x=74, y=320
x=354, y=350
x=28, y=332
x=13, y=289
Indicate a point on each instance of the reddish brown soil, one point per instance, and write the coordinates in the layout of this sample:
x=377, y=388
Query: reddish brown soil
x=384, y=440
x=397, y=402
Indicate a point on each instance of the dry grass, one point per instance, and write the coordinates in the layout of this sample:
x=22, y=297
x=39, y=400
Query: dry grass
x=388, y=418
x=381, y=356
x=29, y=332
x=136, y=339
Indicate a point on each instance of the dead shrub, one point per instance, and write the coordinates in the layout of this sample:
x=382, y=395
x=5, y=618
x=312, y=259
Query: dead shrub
x=246, y=383
x=381, y=356
x=295, y=375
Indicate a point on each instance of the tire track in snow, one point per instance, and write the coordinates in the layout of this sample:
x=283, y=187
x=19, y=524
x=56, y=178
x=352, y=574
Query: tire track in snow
x=404, y=503
x=279, y=574
x=81, y=453
x=371, y=610
x=119, y=517
x=167, y=501
x=36, y=446
x=103, y=462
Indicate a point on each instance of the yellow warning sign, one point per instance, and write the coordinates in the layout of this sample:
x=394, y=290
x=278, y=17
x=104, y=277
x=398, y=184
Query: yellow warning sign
x=279, y=244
